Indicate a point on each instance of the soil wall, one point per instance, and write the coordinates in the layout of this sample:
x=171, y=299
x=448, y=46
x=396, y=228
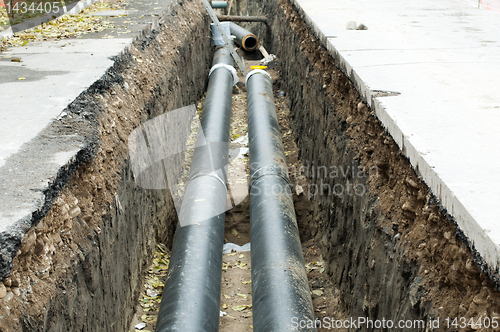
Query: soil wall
x=389, y=247
x=81, y=266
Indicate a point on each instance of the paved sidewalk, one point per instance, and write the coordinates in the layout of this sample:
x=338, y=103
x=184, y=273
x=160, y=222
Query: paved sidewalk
x=431, y=72
x=44, y=78
x=53, y=73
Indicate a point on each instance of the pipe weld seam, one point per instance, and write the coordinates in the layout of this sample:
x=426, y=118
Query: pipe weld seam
x=269, y=171
x=257, y=71
x=228, y=67
x=213, y=175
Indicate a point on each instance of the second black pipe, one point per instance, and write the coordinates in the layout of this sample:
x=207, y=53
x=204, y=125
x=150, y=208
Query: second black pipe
x=280, y=291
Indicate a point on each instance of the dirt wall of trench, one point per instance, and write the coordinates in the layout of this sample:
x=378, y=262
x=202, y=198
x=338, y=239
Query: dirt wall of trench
x=390, y=249
x=81, y=266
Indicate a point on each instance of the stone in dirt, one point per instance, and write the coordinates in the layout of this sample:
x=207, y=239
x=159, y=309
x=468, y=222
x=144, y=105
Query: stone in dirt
x=3, y=290
x=9, y=296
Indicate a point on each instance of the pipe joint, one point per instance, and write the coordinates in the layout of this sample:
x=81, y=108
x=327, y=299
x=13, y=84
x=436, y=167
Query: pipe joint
x=256, y=71
x=228, y=67
x=269, y=171
x=218, y=177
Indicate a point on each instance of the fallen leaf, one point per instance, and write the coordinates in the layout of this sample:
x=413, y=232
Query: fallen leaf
x=15, y=60
x=227, y=296
x=241, y=256
x=319, y=308
x=234, y=232
x=242, y=295
x=241, y=307
x=246, y=282
x=318, y=292
x=225, y=306
x=21, y=78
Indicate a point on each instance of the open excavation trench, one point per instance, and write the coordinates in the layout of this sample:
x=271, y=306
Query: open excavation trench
x=376, y=243
x=236, y=290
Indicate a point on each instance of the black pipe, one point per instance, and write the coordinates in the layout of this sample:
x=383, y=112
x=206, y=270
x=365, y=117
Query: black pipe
x=280, y=292
x=244, y=38
x=191, y=296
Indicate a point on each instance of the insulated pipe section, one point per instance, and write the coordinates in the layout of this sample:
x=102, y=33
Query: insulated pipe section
x=280, y=291
x=191, y=296
x=244, y=38
x=219, y=4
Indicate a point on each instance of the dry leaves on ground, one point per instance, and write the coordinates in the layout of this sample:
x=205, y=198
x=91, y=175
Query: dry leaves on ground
x=66, y=26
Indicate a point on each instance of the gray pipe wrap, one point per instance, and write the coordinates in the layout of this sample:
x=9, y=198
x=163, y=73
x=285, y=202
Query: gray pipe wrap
x=191, y=296
x=280, y=289
x=244, y=38
x=219, y=4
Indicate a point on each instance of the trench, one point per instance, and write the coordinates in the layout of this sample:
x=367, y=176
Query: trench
x=376, y=243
